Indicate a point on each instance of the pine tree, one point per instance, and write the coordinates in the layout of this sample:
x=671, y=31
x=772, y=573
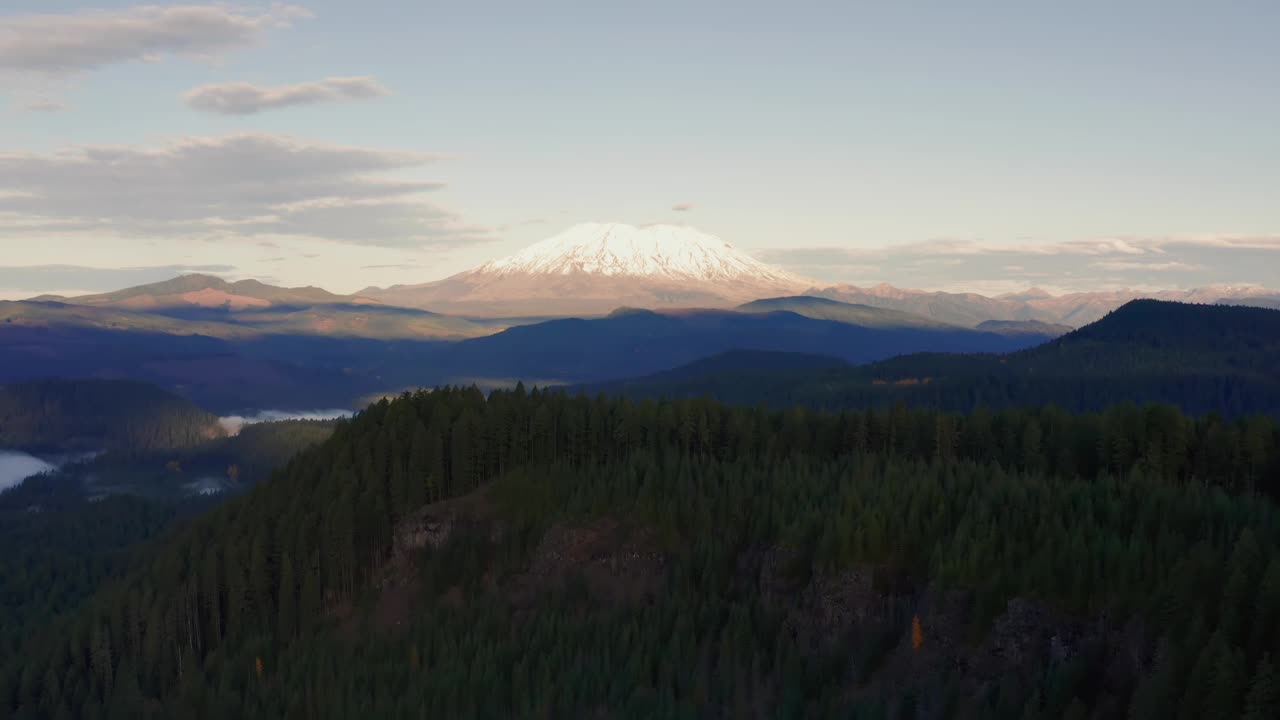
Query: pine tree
x=1263, y=700
x=1153, y=698
x=1199, y=683
x=286, y=617
x=1228, y=683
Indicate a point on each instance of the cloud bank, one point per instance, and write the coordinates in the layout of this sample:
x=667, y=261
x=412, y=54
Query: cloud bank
x=18, y=466
x=239, y=98
x=233, y=424
x=241, y=185
x=60, y=44
x=44, y=105
x=1106, y=263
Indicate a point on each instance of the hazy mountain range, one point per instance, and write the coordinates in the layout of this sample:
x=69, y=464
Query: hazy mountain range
x=587, y=270
x=1201, y=358
x=1073, y=309
x=552, y=313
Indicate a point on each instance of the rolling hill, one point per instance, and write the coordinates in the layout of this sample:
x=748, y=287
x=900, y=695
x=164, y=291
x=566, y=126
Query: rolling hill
x=1024, y=327
x=1203, y=358
x=223, y=375
x=207, y=291
x=205, y=305
x=639, y=342
x=96, y=415
x=819, y=308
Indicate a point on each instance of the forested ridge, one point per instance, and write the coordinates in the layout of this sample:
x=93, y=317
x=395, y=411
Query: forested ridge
x=1201, y=358
x=604, y=558
x=99, y=414
x=57, y=547
x=244, y=458
x=62, y=538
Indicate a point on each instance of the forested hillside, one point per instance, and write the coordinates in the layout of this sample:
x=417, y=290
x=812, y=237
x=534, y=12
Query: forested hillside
x=1202, y=358
x=538, y=555
x=62, y=535
x=99, y=414
x=246, y=457
x=57, y=548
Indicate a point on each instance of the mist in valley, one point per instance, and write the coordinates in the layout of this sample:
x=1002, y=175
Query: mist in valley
x=233, y=424
x=16, y=466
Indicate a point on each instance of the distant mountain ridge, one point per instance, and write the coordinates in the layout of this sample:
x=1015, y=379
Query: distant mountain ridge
x=591, y=270
x=635, y=342
x=208, y=305
x=1023, y=327
x=820, y=308
x=1071, y=309
x=207, y=291
x=1202, y=358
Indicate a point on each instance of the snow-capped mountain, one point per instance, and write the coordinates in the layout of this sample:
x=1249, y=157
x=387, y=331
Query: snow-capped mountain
x=597, y=267
x=668, y=251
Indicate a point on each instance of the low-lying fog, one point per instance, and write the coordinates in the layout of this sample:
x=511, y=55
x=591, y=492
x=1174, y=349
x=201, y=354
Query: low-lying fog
x=205, y=486
x=18, y=466
x=234, y=423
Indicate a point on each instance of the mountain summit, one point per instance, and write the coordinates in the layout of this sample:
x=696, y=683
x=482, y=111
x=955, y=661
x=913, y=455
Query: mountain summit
x=206, y=291
x=669, y=251
x=595, y=267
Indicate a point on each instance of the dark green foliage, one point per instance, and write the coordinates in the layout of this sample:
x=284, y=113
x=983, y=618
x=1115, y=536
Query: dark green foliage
x=99, y=414
x=57, y=547
x=269, y=606
x=238, y=461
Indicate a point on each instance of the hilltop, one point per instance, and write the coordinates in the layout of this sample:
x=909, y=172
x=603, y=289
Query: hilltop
x=96, y=415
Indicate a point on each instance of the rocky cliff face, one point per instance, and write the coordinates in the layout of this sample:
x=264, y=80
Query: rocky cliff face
x=894, y=636
x=867, y=617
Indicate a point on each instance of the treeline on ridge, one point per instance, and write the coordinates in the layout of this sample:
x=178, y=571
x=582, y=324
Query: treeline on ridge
x=95, y=415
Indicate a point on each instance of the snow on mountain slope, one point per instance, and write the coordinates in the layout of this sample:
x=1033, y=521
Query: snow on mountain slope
x=669, y=251
x=596, y=267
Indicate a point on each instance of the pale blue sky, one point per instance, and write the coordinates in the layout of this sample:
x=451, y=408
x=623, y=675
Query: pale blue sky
x=849, y=141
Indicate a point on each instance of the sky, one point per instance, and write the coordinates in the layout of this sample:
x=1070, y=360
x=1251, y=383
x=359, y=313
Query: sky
x=986, y=146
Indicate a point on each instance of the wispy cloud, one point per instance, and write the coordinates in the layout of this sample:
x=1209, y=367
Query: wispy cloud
x=1143, y=266
x=44, y=105
x=1087, y=264
x=59, y=44
x=239, y=98
x=244, y=185
x=38, y=278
